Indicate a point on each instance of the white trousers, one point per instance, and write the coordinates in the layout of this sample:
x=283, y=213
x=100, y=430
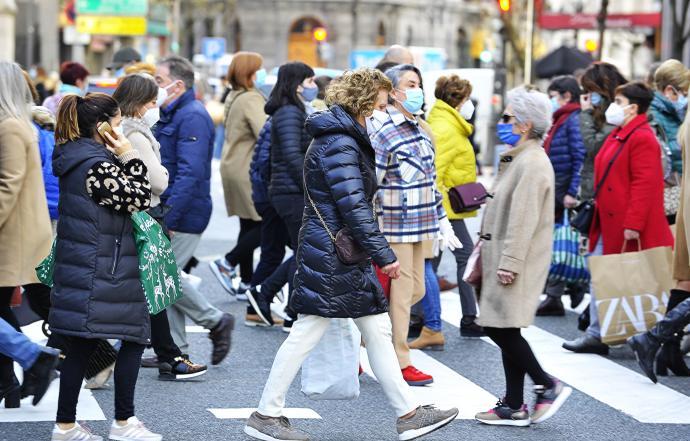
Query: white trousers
x=305, y=335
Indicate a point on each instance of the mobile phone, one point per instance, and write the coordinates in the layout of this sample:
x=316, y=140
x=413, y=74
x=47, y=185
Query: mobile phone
x=103, y=128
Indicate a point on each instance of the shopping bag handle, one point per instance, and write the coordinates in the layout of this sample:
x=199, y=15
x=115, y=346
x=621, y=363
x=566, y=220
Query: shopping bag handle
x=625, y=242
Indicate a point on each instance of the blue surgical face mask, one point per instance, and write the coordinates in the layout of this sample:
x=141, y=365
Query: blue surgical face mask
x=309, y=93
x=554, y=103
x=595, y=98
x=504, y=131
x=414, y=100
x=681, y=104
x=260, y=78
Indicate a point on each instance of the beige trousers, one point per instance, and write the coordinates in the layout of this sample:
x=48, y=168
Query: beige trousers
x=405, y=292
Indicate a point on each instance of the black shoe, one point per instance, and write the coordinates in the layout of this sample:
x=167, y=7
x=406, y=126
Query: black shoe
x=10, y=391
x=262, y=307
x=583, y=320
x=587, y=345
x=645, y=348
x=39, y=376
x=551, y=307
x=180, y=369
x=221, y=336
x=577, y=295
x=287, y=326
x=150, y=362
x=670, y=358
x=470, y=329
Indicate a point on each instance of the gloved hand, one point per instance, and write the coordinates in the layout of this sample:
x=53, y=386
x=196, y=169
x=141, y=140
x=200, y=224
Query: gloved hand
x=448, y=238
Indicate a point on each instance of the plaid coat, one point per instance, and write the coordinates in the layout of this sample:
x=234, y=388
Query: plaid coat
x=408, y=203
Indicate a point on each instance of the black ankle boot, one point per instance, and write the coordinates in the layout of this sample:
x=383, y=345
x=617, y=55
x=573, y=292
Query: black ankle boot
x=39, y=376
x=551, y=306
x=645, y=346
x=670, y=358
x=10, y=391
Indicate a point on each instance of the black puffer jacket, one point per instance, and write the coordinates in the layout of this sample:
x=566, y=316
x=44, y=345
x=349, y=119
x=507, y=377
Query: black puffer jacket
x=341, y=178
x=289, y=143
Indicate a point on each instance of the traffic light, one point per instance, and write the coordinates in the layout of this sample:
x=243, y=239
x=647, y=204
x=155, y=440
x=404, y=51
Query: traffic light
x=591, y=45
x=320, y=34
x=504, y=5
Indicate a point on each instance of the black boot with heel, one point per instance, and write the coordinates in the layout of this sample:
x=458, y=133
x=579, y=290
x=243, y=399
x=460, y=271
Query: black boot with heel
x=670, y=358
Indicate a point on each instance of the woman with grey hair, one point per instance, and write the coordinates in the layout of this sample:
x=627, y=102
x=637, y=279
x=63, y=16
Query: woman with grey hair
x=516, y=254
x=25, y=232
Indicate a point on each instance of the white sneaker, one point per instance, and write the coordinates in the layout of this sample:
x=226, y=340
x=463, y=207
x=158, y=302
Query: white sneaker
x=76, y=433
x=134, y=430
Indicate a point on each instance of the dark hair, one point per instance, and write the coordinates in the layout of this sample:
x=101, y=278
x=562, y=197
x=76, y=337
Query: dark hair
x=290, y=75
x=180, y=69
x=566, y=83
x=384, y=65
x=135, y=91
x=452, y=90
x=637, y=92
x=322, y=81
x=602, y=78
x=78, y=117
x=71, y=71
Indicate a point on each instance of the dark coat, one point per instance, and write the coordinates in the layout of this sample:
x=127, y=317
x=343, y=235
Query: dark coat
x=289, y=143
x=567, y=154
x=186, y=135
x=341, y=179
x=632, y=197
x=97, y=292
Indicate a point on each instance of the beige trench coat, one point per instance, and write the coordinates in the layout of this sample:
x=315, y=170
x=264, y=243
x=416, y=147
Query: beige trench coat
x=25, y=232
x=244, y=118
x=520, y=221
x=681, y=255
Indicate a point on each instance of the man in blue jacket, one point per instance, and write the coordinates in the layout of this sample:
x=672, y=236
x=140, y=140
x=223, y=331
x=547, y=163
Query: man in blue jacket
x=185, y=132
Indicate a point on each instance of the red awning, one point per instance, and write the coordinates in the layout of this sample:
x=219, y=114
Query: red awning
x=589, y=21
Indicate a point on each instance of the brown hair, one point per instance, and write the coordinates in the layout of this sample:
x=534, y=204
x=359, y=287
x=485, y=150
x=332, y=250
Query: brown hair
x=135, y=91
x=356, y=90
x=637, y=92
x=672, y=73
x=242, y=67
x=78, y=117
x=452, y=90
x=32, y=88
x=602, y=78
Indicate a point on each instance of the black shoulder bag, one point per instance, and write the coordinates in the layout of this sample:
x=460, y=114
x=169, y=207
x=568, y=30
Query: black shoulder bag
x=582, y=221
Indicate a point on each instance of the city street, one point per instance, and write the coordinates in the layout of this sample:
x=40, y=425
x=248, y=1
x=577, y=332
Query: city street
x=611, y=399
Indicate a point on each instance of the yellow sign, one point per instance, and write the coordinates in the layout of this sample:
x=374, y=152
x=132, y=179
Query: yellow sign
x=101, y=25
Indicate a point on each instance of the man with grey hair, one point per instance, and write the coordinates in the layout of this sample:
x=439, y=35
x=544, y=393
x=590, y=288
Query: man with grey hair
x=409, y=206
x=398, y=54
x=185, y=132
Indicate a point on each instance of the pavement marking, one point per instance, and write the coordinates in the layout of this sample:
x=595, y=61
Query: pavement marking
x=244, y=413
x=88, y=408
x=195, y=329
x=449, y=388
x=604, y=380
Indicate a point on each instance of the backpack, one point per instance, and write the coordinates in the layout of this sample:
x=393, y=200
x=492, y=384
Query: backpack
x=260, y=167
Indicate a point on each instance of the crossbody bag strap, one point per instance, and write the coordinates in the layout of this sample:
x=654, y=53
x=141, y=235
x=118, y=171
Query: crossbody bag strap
x=318, y=213
x=610, y=165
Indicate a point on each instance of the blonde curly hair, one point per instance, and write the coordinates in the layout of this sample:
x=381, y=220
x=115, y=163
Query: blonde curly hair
x=356, y=90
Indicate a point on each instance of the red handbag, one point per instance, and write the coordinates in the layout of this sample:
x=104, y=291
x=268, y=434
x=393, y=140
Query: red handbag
x=16, y=299
x=384, y=280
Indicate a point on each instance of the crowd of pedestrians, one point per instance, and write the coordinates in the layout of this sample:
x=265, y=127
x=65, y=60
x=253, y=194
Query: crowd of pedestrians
x=360, y=185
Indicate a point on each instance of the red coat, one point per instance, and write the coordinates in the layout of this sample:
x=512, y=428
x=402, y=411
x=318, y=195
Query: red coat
x=632, y=197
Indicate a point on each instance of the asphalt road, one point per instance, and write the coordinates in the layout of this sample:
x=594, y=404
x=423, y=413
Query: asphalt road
x=610, y=401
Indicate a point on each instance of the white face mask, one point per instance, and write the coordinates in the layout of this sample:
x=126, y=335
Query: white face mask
x=615, y=114
x=162, y=96
x=151, y=116
x=467, y=110
x=118, y=130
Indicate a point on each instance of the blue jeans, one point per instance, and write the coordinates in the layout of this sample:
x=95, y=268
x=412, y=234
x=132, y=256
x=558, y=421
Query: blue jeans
x=17, y=346
x=431, y=302
x=594, y=329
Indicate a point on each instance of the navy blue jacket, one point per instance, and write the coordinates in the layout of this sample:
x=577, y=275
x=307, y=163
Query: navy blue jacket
x=97, y=292
x=340, y=176
x=260, y=167
x=567, y=154
x=186, y=134
x=289, y=143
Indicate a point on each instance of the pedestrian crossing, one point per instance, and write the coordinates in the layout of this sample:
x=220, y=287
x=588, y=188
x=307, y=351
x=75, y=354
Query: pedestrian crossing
x=612, y=384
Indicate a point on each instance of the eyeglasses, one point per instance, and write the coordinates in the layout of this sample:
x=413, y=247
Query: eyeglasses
x=506, y=117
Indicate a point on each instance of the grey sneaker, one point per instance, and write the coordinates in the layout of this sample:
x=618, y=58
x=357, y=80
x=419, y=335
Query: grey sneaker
x=76, y=433
x=503, y=415
x=549, y=400
x=426, y=420
x=273, y=429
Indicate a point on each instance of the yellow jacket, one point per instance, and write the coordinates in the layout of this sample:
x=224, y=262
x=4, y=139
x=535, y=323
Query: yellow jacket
x=455, y=160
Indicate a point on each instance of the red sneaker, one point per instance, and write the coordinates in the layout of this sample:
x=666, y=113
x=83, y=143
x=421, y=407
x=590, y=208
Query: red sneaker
x=415, y=377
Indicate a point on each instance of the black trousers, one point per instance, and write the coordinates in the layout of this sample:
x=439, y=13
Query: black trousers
x=72, y=373
x=518, y=360
x=274, y=238
x=248, y=240
x=161, y=340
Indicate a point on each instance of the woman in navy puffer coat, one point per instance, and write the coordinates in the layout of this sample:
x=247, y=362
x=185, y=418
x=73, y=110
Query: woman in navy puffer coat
x=340, y=179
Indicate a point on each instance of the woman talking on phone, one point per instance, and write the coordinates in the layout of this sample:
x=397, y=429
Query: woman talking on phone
x=96, y=292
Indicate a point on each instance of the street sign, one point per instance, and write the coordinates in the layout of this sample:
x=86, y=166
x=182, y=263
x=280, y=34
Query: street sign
x=589, y=21
x=112, y=7
x=213, y=47
x=87, y=24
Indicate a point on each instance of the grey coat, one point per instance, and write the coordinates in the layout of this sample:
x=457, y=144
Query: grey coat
x=593, y=138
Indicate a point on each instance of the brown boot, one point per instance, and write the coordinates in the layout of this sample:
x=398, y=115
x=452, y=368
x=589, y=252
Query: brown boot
x=428, y=339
